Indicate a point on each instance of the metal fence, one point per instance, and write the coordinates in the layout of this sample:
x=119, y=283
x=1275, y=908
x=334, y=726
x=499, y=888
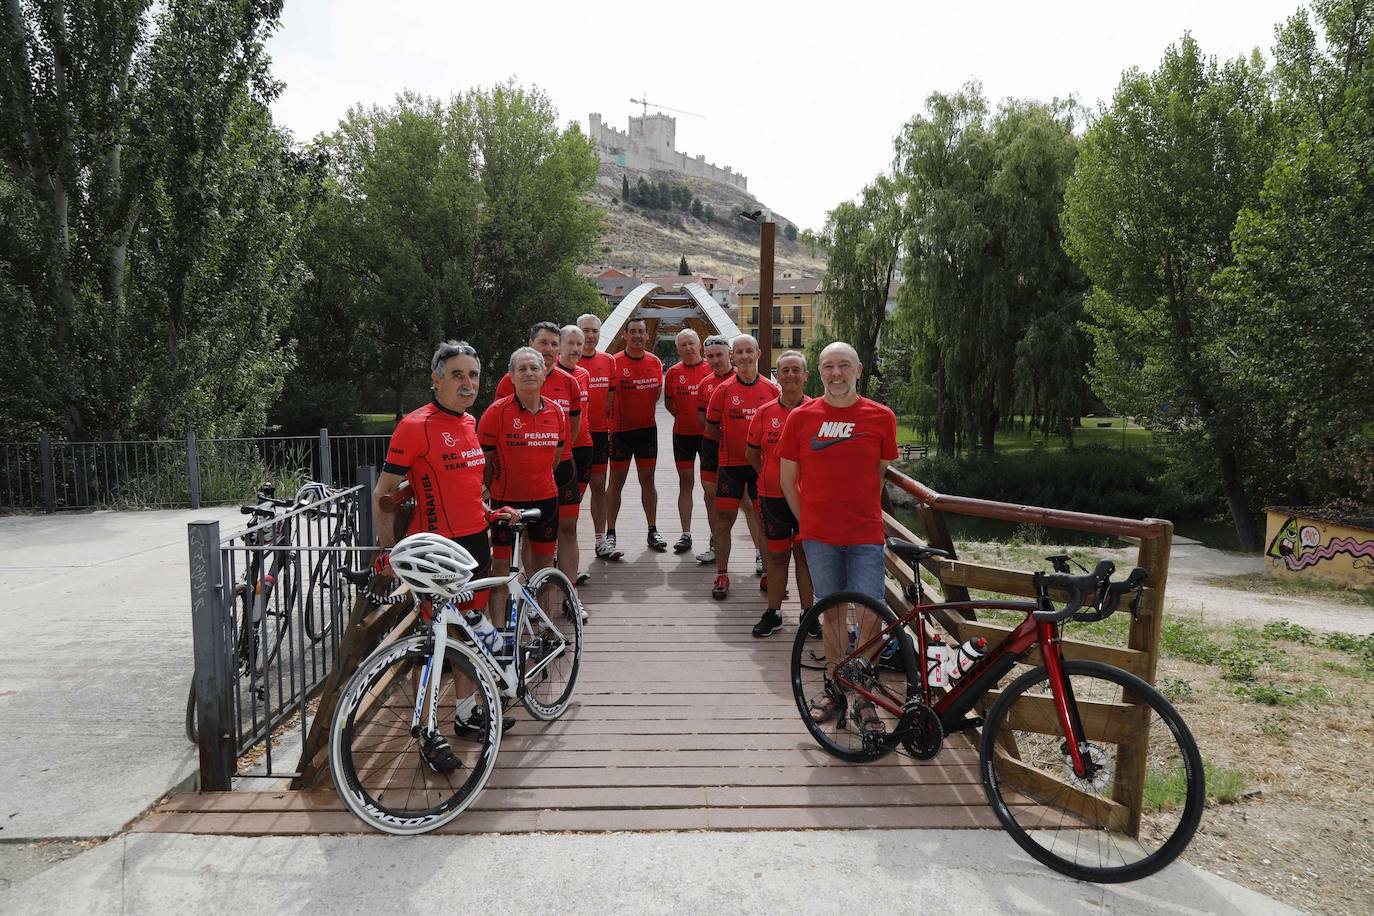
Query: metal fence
x=268, y=607
x=49, y=475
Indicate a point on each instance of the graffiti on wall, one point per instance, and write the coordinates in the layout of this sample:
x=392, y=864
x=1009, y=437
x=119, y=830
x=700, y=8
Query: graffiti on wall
x=1299, y=546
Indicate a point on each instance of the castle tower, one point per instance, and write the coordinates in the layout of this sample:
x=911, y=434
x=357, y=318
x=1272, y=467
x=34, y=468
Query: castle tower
x=657, y=132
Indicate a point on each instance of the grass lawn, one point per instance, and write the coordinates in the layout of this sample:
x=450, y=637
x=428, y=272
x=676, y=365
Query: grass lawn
x=376, y=423
x=1087, y=434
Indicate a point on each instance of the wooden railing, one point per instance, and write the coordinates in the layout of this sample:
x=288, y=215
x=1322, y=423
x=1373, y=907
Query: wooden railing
x=1140, y=655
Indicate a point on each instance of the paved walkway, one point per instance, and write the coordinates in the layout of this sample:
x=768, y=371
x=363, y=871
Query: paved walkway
x=95, y=662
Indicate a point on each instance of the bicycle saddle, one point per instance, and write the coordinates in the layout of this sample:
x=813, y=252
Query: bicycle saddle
x=914, y=553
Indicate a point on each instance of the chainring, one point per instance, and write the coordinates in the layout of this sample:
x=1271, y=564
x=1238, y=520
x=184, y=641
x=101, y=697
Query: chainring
x=922, y=733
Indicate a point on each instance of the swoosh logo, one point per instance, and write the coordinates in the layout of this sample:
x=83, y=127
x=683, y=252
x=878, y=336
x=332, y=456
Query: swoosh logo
x=817, y=444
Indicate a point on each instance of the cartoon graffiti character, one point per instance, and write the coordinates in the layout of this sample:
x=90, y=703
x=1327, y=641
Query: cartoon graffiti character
x=1299, y=547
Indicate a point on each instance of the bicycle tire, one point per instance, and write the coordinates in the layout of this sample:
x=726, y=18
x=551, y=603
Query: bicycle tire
x=841, y=736
x=543, y=692
x=1047, y=819
x=375, y=761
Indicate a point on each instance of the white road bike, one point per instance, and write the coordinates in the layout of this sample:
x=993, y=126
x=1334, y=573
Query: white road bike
x=404, y=693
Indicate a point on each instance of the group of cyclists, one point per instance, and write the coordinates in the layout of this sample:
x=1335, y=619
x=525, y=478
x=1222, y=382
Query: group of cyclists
x=806, y=473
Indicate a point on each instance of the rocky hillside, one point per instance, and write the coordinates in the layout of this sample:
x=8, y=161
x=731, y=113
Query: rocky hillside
x=655, y=240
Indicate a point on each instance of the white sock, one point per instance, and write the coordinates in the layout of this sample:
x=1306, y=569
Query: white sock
x=466, y=707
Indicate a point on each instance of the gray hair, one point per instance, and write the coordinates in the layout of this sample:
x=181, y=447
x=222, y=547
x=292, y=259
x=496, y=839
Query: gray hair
x=717, y=340
x=447, y=350
x=687, y=331
x=525, y=351
x=582, y=318
x=795, y=354
x=571, y=329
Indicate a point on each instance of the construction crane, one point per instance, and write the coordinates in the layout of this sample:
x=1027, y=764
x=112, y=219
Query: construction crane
x=646, y=105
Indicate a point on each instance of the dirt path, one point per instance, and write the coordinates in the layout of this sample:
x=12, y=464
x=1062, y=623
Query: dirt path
x=1191, y=564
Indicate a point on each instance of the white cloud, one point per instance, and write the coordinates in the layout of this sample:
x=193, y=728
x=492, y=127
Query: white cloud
x=803, y=98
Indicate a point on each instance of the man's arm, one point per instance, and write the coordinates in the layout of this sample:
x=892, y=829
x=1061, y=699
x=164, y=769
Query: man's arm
x=788, y=472
x=712, y=429
x=383, y=509
x=754, y=456
x=882, y=479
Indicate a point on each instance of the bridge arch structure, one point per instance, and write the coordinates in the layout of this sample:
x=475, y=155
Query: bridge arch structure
x=666, y=311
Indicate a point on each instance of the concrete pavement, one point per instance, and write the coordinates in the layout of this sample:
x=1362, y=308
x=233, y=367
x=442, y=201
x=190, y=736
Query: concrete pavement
x=95, y=661
x=901, y=871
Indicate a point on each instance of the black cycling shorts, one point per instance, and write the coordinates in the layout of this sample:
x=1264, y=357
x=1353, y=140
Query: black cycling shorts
x=565, y=478
x=734, y=480
x=710, y=455
x=601, y=449
x=686, y=449
x=479, y=545
x=642, y=444
x=582, y=460
x=542, y=532
x=779, y=524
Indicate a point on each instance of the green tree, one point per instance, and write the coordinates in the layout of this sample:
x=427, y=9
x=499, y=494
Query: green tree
x=126, y=130
x=441, y=216
x=790, y=232
x=625, y=187
x=861, y=242
x=665, y=196
x=682, y=269
x=1299, y=287
x=710, y=213
x=1161, y=178
x=645, y=195
x=697, y=212
x=983, y=253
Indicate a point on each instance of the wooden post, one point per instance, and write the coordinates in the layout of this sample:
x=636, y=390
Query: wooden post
x=214, y=671
x=766, y=296
x=937, y=535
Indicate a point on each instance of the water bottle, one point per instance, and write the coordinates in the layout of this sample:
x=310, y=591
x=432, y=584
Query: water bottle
x=483, y=632
x=965, y=656
x=936, y=655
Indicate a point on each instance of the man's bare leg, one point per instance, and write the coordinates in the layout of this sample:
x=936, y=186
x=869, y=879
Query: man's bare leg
x=648, y=493
x=686, y=480
x=598, y=490
x=614, y=486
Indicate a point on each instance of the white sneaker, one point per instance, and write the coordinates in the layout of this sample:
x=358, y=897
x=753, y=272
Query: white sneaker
x=707, y=556
x=758, y=563
x=606, y=549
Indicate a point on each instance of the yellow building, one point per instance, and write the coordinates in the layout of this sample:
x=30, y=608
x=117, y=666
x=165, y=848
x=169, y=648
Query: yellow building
x=798, y=306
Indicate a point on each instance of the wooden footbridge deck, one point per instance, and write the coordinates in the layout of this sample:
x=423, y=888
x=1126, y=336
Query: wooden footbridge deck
x=682, y=721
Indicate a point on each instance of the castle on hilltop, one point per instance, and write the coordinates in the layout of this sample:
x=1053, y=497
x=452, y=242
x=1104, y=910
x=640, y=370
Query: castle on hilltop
x=652, y=144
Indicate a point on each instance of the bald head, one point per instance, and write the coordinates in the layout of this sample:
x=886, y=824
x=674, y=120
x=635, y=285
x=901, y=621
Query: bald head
x=840, y=369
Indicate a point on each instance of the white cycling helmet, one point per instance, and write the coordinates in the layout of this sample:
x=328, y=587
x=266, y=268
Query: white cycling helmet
x=432, y=564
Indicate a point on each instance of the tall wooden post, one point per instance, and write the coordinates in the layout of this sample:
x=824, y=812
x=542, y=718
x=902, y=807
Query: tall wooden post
x=766, y=295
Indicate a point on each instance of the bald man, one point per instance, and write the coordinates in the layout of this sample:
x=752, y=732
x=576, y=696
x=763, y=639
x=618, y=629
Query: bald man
x=681, y=385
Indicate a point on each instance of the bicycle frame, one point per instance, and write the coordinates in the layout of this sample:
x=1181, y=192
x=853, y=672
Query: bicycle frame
x=953, y=706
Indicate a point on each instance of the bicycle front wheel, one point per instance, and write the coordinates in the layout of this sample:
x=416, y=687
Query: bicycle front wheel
x=1082, y=825
x=379, y=769
x=846, y=707
x=548, y=651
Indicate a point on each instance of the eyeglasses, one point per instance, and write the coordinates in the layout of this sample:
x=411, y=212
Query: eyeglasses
x=456, y=351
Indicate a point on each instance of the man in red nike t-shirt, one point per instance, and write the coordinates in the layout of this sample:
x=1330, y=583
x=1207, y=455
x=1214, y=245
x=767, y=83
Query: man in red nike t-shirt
x=680, y=395
x=732, y=408
x=634, y=432
x=833, y=456
x=601, y=402
x=779, y=524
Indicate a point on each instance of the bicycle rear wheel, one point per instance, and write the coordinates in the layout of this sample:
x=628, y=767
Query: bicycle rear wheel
x=549, y=646
x=376, y=761
x=852, y=730
x=1077, y=825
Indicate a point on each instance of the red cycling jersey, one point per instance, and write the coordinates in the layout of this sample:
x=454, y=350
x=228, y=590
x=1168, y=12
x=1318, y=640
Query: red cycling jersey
x=733, y=405
x=680, y=387
x=765, y=432
x=705, y=388
x=561, y=388
x=584, y=379
x=601, y=367
x=523, y=448
x=837, y=450
x=638, y=380
x=437, y=450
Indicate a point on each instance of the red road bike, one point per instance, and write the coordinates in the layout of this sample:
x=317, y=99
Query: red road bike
x=1089, y=768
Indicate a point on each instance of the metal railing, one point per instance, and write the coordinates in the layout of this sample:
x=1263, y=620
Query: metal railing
x=268, y=607
x=49, y=475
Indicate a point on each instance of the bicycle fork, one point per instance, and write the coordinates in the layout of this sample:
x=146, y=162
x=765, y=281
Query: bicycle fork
x=1065, y=707
x=427, y=694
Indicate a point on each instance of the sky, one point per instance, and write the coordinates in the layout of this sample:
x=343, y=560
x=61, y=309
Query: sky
x=803, y=98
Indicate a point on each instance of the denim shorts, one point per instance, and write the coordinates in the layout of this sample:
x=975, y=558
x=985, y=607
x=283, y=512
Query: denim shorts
x=850, y=568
